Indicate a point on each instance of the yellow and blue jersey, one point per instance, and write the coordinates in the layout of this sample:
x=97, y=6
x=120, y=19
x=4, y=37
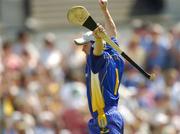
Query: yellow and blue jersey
x=107, y=69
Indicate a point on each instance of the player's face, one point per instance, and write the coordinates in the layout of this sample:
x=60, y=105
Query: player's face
x=86, y=48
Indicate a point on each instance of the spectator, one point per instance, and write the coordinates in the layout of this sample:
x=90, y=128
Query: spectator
x=10, y=60
x=50, y=56
x=135, y=51
x=157, y=53
x=142, y=30
x=24, y=44
x=174, y=49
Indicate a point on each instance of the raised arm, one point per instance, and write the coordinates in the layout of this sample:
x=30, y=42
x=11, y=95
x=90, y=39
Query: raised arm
x=98, y=46
x=109, y=23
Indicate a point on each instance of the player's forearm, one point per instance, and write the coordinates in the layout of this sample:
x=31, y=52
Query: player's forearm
x=98, y=47
x=109, y=24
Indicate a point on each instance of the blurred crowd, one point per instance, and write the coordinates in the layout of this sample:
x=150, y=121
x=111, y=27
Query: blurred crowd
x=42, y=88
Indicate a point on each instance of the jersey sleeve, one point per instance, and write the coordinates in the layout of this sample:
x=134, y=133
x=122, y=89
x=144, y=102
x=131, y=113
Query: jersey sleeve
x=114, y=40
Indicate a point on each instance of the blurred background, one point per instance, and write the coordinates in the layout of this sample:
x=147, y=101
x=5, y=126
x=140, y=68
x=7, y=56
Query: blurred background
x=42, y=85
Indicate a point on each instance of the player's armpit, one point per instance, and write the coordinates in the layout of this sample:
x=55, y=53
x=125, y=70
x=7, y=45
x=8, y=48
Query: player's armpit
x=98, y=63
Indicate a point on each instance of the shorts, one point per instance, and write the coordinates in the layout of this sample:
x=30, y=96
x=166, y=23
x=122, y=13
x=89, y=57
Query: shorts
x=114, y=120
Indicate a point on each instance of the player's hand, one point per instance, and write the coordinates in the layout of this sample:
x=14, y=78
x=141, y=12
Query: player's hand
x=99, y=32
x=103, y=4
